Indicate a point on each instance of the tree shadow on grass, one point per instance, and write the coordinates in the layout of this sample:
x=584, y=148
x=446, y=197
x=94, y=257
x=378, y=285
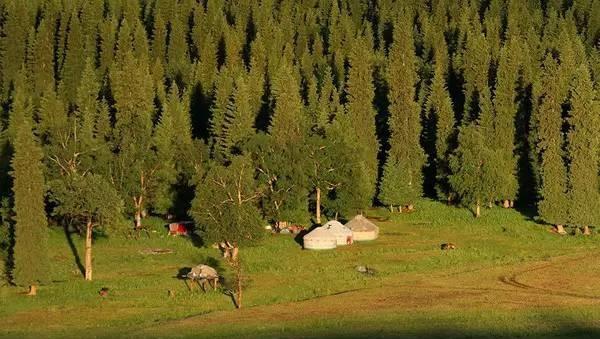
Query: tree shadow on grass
x=69, y=236
x=299, y=238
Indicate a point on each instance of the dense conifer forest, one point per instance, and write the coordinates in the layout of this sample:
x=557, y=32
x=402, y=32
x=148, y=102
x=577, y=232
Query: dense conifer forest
x=241, y=113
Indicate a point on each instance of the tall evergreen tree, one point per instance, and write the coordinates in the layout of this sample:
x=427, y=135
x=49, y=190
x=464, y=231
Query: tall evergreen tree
x=31, y=234
x=440, y=110
x=74, y=61
x=552, y=207
x=177, y=50
x=159, y=38
x=402, y=181
x=360, y=113
x=239, y=119
x=41, y=61
x=13, y=42
x=505, y=109
x=472, y=169
x=135, y=163
x=583, y=150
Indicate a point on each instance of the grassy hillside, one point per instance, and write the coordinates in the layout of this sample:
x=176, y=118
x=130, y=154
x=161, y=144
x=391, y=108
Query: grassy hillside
x=293, y=292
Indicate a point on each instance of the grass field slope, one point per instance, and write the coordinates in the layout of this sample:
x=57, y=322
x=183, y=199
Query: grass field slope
x=509, y=277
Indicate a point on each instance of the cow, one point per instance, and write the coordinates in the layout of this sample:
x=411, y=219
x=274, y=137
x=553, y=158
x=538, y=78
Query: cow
x=201, y=275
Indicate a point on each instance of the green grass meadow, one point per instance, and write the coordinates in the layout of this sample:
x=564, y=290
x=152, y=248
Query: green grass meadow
x=280, y=274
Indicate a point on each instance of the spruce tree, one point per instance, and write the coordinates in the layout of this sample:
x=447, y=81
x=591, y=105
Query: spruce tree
x=177, y=50
x=505, y=109
x=402, y=181
x=360, y=113
x=108, y=35
x=159, y=39
x=472, y=169
x=286, y=198
x=582, y=147
x=548, y=122
x=135, y=165
x=239, y=119
x=476, y=66
x=224, y=87
x=41, y=61
x=74, y=61
x=166, y=175
x=13, y=42
x=31, y=234
x=440, y=110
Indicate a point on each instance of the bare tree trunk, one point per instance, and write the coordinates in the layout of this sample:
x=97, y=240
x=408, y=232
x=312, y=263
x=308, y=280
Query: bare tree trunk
x=138, y=212
x=586, y=230
x=506, y=203
x=478, y=210
x=511, y=203
x=239, y=290
x=392, y=208
x=318, y=207
x=138, y=220
x=560, y=229
x=32, y=290
x=88, y=250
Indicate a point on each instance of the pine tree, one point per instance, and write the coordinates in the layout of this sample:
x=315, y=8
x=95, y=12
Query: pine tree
x=472, y=169
x=548, y=122
x=177, y=51
x=286, y=198
x=124, y=44
x=159, y=38
x=108, y=35
x=141, y=47
x=135, y=162
x=13, y=42
x=583, y=146
x=439, y=107
x=505, y=109
x=402, y=181
x=288, y=121
x=476, y=71
x=74, y=61
x=41, y=61
x=239, y=119
x=87, y=113
x=233, y=48
x=164, y=144
x=224, y=86
x=360, y=112
x=31, y=234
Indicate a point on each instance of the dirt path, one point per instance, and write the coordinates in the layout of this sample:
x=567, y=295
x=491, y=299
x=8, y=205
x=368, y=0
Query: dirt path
x=539, y=284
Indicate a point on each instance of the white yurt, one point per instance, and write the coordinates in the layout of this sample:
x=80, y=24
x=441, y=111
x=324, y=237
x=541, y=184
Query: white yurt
x=362, y=228
x=342, y=233
x=320, y=239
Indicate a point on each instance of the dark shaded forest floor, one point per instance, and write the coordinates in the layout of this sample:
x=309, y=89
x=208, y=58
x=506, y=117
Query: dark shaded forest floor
x=509, y=277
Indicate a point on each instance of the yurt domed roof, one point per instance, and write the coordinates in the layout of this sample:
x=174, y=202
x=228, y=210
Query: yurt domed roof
x=335, y=225
x=320, y=233
x=361, y=224
x=320, y=239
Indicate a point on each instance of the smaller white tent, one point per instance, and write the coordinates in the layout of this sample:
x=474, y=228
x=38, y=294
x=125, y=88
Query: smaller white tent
x=320, y=239
x=362, y=228
x=342, y=233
